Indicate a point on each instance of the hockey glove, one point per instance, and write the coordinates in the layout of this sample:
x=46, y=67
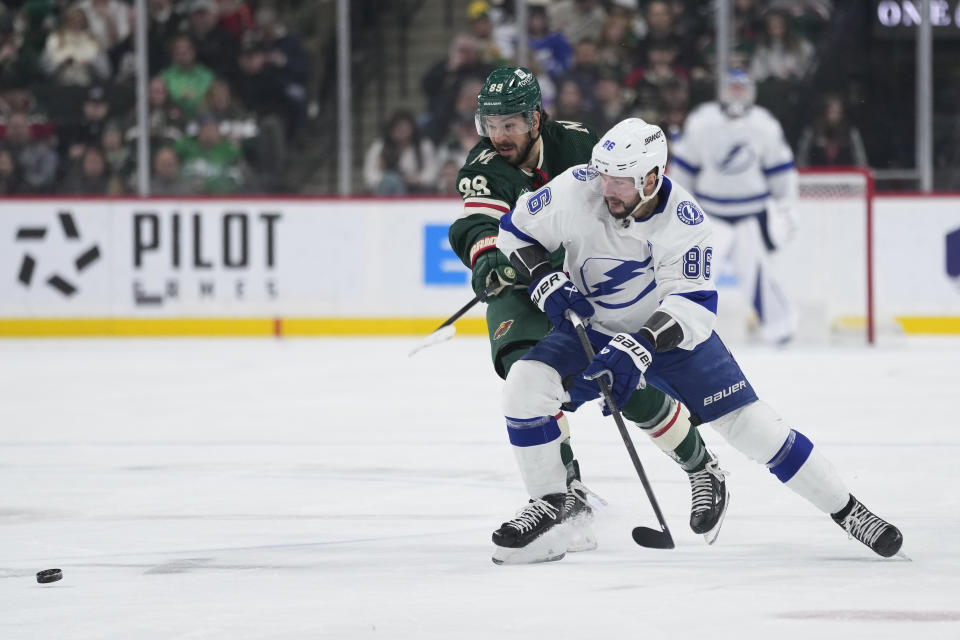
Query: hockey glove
x=492, y=272
x=623, y=362
x=554, y=294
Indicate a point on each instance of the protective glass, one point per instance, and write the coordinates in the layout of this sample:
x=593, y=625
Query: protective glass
x=508, y=125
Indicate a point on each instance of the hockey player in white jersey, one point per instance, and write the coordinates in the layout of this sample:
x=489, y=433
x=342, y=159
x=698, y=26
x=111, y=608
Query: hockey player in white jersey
x=639, y=265
x=732, y=154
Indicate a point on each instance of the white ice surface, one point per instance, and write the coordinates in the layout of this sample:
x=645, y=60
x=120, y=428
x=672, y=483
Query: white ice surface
x=337, y=489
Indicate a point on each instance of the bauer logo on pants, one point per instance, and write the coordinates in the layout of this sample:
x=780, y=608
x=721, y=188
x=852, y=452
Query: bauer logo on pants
x=502, y=329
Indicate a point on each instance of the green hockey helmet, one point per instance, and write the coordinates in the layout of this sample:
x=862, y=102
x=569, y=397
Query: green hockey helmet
x=508, y=91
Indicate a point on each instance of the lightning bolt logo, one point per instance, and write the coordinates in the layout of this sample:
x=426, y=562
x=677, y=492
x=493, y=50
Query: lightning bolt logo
x=615, y=280
x=725, y=162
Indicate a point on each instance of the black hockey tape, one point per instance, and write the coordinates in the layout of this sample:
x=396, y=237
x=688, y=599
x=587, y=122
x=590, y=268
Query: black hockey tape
x=49, y=575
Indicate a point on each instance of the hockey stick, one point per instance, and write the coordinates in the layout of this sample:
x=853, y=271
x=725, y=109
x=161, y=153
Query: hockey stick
x=643, y=536
x=446, y=330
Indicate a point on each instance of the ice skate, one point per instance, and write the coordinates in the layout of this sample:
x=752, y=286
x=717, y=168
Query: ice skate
x=870, y=529
x=709, y=500
x=534, y=535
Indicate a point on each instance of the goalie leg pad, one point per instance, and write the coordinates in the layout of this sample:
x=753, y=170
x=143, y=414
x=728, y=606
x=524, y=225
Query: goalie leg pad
x=531, y=403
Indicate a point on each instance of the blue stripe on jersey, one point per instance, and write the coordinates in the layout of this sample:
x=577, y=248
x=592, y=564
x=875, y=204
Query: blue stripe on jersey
x=692, y=168
x=706, y=299
x=791, y=456
x=778, y=168
x=529, y=432
x=760, y=196
x=665, y=190
x=506, y=223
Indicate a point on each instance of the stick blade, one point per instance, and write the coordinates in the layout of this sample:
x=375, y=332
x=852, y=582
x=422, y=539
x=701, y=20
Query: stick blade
x=440, y=335
x=653, y=538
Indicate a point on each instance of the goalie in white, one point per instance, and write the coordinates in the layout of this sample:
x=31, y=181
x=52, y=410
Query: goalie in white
x=638, y=255
x=732, y=154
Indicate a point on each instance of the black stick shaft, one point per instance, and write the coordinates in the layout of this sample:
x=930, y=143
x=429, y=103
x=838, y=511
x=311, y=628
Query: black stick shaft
x=608, y=398
x=459, y=313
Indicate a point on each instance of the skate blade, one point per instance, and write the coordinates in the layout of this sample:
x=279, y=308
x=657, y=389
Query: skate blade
x=549, y=547
x=711, y=536
x=902, y=556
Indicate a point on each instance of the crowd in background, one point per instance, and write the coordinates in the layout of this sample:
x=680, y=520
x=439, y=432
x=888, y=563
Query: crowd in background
x=601, y=61
x=227, y=96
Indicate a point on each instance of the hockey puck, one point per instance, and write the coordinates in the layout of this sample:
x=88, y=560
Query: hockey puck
x=49, y=575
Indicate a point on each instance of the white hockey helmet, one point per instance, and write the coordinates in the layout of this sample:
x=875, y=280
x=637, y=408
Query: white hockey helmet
x=632, y=148
x=739, y=92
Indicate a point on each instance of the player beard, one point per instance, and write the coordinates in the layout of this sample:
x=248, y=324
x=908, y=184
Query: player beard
x=618, y=208
x=503, y=150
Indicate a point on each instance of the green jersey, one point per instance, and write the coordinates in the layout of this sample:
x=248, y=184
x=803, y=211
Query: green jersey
x=490, y=185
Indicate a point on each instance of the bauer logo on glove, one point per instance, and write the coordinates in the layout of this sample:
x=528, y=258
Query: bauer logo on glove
x=626, y=342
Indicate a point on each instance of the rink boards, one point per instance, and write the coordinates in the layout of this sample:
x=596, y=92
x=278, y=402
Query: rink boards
x=367, y=266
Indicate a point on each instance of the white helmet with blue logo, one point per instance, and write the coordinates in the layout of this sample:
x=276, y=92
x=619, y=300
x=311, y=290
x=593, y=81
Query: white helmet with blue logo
x=632, y=148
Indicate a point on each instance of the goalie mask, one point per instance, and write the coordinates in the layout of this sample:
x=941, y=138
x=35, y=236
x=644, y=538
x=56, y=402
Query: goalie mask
x=739, y=92
x=632, y=148
x=508, y=91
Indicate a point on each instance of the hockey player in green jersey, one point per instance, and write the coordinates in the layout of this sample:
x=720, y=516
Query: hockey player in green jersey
x=520, y=151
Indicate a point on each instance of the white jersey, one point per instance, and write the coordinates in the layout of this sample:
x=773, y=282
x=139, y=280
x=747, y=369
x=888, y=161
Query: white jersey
x=626, y=268
x=734, y=165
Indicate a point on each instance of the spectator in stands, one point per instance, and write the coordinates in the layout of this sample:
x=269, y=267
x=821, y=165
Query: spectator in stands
x=447, y=178
x=441, y=83
x=119, y=156
x=617, y=45
x=89, y=129
x=187, y=80
x=748, y=22
x=480, y=26
x=166, y=120
x=570, y=104
x=675, y=96
x=163, y=26
x=550, y=49
x=237, y=125
x=578, y=19
x=612, y=102
x=459, y=140
x=210, y=164
x=19, y=64
x=585, y=70
x=216, y=46
x=648, y=80
x=165, y=179
x=287, y=61
x=90, y=175
x=262, y=92
x=442, y=125
x=109, y=21
x=400, y=161
x=10, y=180
x=236, y=16
x=831, y=140
x=72, y=56
x=37, y=159
x=660, y=29
x=781, y=53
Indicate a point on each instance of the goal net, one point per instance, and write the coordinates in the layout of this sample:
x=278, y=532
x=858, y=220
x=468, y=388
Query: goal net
x=825, y=270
